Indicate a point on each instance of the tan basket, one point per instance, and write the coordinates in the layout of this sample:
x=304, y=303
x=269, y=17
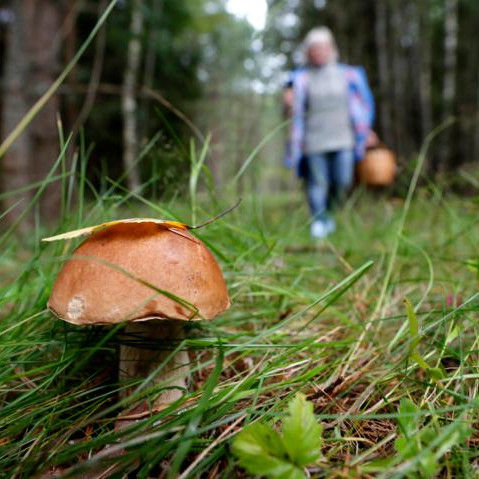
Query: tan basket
x=378, y=167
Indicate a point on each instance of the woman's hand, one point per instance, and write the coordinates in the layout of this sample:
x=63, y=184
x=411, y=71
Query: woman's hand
x=288, y=99
x=373, y=140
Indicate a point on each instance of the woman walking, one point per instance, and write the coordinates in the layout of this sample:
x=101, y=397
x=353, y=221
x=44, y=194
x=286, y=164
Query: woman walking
x=332, y=114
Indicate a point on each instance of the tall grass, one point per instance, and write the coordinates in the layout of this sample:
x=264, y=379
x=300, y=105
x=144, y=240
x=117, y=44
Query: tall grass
x=297, y=323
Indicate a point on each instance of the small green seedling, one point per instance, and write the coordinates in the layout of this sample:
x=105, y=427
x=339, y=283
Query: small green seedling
x=262, y=451
x=435, y=373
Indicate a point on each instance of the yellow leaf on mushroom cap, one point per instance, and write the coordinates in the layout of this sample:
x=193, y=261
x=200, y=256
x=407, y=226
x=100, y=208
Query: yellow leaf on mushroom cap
x=165, y=224
x=168, y=225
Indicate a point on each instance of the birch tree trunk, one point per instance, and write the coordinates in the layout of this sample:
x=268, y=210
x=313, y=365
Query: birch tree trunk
x=129, y=96
x=449, y=84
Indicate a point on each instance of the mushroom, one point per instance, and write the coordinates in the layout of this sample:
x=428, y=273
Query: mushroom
x=378, y=167
x=155, y=276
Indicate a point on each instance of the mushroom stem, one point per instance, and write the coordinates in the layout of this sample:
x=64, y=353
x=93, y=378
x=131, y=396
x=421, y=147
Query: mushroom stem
x=140, y=361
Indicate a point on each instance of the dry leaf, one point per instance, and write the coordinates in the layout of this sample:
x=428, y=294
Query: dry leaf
x=91, y=229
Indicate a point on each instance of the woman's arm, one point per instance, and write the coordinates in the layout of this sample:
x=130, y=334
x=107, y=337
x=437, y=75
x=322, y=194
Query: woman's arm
x=297, y=119
x=366, y=95
x=361, y=107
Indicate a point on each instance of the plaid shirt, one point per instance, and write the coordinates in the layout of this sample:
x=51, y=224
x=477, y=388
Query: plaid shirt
x=361, y=109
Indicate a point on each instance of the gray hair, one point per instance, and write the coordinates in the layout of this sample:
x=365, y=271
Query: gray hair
x=320, y=35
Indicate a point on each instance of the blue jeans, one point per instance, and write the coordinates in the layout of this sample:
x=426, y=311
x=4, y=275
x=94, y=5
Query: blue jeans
x=328, y=177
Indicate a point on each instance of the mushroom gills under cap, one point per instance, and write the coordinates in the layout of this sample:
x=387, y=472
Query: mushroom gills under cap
x=136, y=272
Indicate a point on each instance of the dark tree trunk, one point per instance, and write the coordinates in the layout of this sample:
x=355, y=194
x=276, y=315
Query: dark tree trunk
x=43, y=24
x=154, y=39
x=476, y=123
x=31, y=66
x=69, y=33
x=382, y=48
x=399, y=81
x=425, y=61
x=16, y=162
x=449, y=83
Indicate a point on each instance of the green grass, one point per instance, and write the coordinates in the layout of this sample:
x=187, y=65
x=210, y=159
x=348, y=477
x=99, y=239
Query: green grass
x=324, y=318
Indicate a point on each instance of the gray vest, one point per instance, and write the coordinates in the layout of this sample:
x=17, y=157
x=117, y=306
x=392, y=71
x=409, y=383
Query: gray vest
x=327, y=124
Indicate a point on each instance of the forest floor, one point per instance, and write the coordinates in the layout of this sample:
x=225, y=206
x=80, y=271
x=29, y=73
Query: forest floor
x=326, y=318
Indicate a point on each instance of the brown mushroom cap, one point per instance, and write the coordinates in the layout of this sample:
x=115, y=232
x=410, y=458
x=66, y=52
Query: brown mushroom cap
x=118, y=273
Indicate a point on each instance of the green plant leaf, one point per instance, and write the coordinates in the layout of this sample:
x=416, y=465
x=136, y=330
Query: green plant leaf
x=423, y=445
x=428, y=465
x=405, y=447
x=434, y=373
x=260, y=451
x=452, y=335
x=408, y=419
x=302, y=435
x=413, y=325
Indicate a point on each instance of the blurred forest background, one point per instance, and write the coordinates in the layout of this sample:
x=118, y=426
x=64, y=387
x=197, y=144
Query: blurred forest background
x=160, y=72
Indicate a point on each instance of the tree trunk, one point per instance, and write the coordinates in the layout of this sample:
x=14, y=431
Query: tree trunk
x=425, y=62
x=154, y=39
x=30, y=68
x=43, y=24
x=476, y=129
x=69, y=33
x=399, y=80
x=383, y=71
x=129, y=99
x=15, y=163
x=449, y=84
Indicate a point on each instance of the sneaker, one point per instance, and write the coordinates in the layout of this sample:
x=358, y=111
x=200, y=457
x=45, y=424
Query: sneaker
x=319, y=229
x=322, y=228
